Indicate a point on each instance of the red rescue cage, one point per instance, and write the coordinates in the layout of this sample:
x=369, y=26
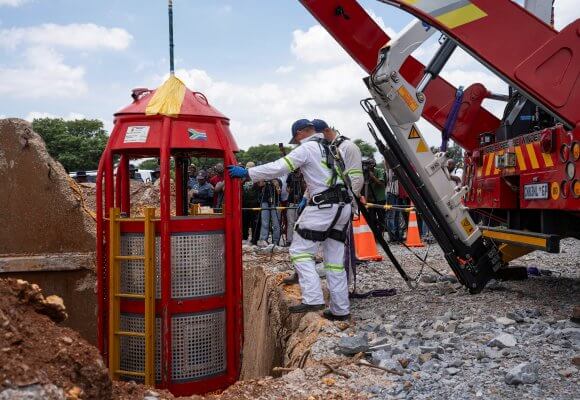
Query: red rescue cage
x=170, y=278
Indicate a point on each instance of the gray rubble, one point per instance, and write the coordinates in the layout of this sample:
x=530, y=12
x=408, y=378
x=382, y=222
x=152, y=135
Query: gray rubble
x=514, y=340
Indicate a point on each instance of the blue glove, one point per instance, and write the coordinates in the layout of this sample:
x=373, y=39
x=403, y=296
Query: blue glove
x=301, y=205
x=237, y=172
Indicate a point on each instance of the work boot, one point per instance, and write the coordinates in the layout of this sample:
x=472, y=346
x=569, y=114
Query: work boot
x=330, y=316
x=291, y=280
x=304, y=308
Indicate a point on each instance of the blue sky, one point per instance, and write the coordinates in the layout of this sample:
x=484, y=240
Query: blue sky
x=262, y=63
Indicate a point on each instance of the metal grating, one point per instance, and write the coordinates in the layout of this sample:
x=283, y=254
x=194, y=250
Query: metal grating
x=197, y=265
x=133, y=348
x=132, y=279
x=198, y=345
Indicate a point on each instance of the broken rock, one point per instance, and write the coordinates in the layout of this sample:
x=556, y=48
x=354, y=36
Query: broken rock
x=524, y=373
x=502, y=341
x=351, y=345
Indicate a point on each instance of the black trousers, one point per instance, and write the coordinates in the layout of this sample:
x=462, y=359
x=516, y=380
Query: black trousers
x=250, y=223
x=377, y=216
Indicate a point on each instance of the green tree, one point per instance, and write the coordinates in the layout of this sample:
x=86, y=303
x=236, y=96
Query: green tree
x=261, y=154
x=366, y=149
x=456, y=153
x=149, y=164
x=77, y=144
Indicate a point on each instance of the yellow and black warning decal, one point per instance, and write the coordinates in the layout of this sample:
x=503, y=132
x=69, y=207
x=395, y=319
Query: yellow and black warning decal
x=467, y=226
x=414, y=133
x=451, y=13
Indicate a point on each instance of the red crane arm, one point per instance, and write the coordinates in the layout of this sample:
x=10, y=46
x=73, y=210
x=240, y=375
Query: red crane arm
x=362, y=38
x=524, y=51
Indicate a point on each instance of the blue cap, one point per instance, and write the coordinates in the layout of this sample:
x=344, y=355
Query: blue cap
x=299, y=125
x=319, y=125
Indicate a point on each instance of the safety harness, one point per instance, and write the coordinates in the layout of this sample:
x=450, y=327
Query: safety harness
x=335, y=194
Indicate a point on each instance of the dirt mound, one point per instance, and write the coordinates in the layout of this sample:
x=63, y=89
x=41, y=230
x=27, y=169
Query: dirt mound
x=39, y=359
x=142, y=194
x=40, y=213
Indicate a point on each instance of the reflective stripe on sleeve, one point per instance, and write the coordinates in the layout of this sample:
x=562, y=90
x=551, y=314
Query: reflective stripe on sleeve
x=354, y=172
x=289, y=163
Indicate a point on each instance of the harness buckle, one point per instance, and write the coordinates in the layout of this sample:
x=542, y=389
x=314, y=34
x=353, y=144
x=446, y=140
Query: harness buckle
x=314, y=201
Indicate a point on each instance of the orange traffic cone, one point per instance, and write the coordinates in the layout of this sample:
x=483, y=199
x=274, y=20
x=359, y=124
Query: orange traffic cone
x=413, y=236
x=364, y=241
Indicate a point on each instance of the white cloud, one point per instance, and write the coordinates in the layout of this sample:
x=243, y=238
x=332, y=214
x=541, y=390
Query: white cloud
x=41, y=71
x=12, y=3
x=38, y=114
x=285, y=69
x=565, y=11
x=316, y=46
x=84, y=37
x=45, y=75
x=263, y=113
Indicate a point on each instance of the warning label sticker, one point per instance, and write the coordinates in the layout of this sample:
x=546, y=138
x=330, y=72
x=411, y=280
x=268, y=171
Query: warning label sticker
x=467, y=226
x=136, y=134
x=414, y=134
x=422, y=147
x=407, y=98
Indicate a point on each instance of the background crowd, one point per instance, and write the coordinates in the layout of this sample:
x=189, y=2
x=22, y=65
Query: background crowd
x=268, y=225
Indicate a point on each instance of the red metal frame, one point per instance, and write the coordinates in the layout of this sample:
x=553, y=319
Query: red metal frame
x=362, y=39
x=526, y=52
x=168, y=137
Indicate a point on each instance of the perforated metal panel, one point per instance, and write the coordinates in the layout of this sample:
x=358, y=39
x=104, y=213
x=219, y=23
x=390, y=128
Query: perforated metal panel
x=132, y=279
x=197, y=265
x=133, y=348
x=198, y=345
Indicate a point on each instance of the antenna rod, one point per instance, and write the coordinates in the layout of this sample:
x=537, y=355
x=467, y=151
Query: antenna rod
x=171, y=64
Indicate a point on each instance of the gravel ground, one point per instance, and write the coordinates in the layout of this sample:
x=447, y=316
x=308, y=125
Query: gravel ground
x=512, y=341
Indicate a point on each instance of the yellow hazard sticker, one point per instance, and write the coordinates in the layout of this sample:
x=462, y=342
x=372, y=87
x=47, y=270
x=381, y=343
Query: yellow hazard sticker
x=414, y=134
x=422, y=147
x=467, y=226
x=407, y=98
x=555, y=190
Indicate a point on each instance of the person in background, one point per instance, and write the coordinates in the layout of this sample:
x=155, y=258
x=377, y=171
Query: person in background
x=375, y=192
x=217, y=181
x=250, y=199
x=393, y=216
x=284, y=203
x=295, y=187
x=202, y=192
x=192, y=176
x=451, y=166
x=270, y=198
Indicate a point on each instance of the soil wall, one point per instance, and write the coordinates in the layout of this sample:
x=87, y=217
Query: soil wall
x=39, y=212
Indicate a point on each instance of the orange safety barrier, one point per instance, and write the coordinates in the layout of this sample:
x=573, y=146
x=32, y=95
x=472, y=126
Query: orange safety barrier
x=413, y=236
x=364, y=241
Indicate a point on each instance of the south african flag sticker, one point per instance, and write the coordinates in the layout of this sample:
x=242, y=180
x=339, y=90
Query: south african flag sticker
x=196, y=135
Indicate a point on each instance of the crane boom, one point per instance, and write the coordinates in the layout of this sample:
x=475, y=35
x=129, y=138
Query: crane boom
x=362, y=38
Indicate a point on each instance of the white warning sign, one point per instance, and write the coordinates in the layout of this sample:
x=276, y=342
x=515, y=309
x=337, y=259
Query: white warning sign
x=136, y=134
